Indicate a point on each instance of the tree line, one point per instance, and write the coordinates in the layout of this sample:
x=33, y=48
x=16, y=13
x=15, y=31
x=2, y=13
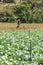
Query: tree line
x=29, y=11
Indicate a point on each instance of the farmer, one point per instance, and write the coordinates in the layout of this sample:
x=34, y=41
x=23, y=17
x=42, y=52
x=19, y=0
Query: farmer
x=18, y=22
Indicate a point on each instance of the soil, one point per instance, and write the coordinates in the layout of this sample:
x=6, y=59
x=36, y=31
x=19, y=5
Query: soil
x=23, y=26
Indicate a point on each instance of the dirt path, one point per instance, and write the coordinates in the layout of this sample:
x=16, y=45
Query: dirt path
x=12, y=26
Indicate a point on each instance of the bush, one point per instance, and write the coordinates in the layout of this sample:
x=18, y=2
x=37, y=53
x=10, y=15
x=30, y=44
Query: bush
x=27, y=14
x=40, y=61
x=37, y=15
x=22, y=11
x=7, y=17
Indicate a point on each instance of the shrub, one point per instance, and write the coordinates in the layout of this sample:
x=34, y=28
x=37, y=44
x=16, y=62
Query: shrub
x=22, y=11
x=27, y=14
x=37, y=15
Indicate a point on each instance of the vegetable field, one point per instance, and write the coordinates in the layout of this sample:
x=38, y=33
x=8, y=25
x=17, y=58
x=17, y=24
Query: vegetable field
x=15, y=47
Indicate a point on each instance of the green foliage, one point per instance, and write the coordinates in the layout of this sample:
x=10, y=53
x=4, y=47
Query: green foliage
x=29, y=11
x=7, y=15
x=29, y=14
x=15, y=47
x=40, y=60
x=37, y=15
x=22, y=11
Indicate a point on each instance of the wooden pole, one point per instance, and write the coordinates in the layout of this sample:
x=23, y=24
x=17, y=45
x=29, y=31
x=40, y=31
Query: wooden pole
x=30, y=59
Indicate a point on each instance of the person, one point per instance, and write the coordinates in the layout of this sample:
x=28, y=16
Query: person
x=18, y=22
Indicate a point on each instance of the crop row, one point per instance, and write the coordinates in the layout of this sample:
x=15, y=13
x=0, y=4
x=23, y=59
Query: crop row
x=15, y=47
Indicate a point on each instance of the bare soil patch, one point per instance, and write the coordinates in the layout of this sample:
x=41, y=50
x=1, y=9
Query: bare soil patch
x=23, y=26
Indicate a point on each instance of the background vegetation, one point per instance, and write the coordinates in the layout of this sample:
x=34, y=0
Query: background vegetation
x=30, y=11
